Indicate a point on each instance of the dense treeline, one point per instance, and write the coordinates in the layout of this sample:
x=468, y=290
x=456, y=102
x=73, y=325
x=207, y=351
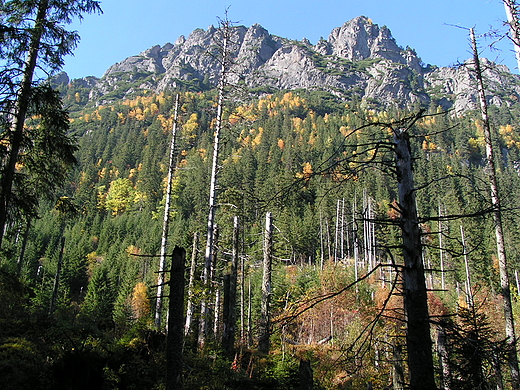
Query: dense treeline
x=289, y=153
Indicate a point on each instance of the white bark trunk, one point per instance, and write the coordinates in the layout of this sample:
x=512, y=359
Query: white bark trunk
x=166, y=221
x=497, y=220
x=193, y=267
x=208, y=255
x=265, y=321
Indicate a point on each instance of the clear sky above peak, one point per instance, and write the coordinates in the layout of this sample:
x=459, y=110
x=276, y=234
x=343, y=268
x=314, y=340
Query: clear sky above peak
x=129, y=27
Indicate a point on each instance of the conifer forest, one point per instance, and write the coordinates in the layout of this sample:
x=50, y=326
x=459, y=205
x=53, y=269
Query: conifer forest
x=219, y=236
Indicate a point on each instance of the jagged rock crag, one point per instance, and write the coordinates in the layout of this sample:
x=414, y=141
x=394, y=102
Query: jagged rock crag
x=359, y=58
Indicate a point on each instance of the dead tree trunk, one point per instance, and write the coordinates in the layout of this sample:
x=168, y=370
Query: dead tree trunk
x=242, y=301
x=418, y=339
x=166, y=221
x=441, y=250
x=225, y=29
x=497, y=220
x=175, y=339
x=442, y=351
x=336, y=232
x=265, y=320
x=193, y=267
x=305, y=375
x=322, y=246
x=230, y=297
x=249, y=313
x=398, y=380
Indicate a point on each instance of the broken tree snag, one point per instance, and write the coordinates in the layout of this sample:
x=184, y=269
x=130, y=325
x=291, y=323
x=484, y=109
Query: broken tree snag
x=175, y=339
x=305, y=375
x=418, y=339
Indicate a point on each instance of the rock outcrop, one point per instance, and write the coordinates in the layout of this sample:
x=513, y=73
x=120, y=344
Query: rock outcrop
x=358, y=58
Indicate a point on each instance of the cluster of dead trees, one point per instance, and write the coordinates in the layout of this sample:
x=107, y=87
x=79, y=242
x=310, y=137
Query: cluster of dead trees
x=419, y=346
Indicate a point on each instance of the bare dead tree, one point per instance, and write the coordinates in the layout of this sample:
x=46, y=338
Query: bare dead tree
x=225, y=34
x=190, y=305
x=497, y=220
x=166, y=220
x=418, y=339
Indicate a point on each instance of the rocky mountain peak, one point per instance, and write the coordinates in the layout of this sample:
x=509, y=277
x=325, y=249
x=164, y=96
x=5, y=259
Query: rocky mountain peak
x=359, y=58
x=359, y=39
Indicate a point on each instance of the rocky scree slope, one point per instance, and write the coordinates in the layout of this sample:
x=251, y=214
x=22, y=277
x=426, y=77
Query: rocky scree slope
x=359, y=59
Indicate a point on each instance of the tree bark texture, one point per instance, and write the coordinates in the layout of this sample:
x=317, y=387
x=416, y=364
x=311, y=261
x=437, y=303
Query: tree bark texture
x=418, y=339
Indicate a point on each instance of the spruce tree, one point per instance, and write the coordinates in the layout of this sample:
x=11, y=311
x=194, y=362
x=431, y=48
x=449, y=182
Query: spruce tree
x=32, y=37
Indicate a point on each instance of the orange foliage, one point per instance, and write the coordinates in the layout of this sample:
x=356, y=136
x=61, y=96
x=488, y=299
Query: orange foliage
x=140, y=301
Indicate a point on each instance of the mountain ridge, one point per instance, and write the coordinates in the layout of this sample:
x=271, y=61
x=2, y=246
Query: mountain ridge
x=359, y=59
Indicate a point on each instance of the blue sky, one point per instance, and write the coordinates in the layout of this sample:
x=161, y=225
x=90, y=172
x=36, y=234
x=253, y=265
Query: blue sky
x=129, y=27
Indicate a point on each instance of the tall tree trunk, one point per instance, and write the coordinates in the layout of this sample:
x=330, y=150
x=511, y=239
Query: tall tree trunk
x=225, y=28
x=342, y=234
x=216, y=313
x=20, y=113
x=336, y=233
x=322, y=246
x=175, y=339
x=441, y=250
x=265, y=320
x=230, y=297
x=242, y=301
x=355, y=238
x=166, y=221
x=418, y=339
x=497, y=220
x=193, y=267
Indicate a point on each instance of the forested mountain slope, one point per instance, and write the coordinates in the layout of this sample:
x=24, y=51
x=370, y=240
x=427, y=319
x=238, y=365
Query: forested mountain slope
x=306, y=143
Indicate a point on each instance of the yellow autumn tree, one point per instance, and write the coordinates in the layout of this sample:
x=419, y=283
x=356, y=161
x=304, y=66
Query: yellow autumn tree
x=140, y=301
x=120, y=196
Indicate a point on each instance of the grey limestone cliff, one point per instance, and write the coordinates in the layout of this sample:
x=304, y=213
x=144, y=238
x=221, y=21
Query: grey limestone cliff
x=359, y=58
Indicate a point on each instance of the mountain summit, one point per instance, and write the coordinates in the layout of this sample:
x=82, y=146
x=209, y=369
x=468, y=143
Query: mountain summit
x=358, y=60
